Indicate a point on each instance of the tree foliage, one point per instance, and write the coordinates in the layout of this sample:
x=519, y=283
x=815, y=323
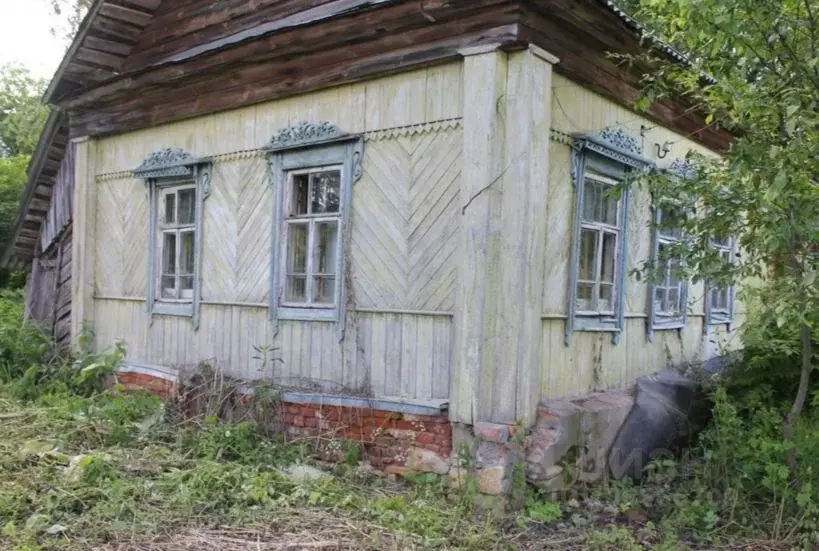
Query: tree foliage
x=72, y=12
x=22, y=113
x=763, y=56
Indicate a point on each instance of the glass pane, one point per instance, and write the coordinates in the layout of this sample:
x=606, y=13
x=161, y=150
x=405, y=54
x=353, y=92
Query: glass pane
x=585, y=292
x=324, y=290
x=301, y=187
x=326, y=186
x=719, y=299
x=609, y=257
x=591, y=201
x=606, y=303
x=674, y=273
x=324, y=259
x=673, y=305
x=609, y=207
x=186, y=287
x=296, y=289
x=588, y=255
x=659, y=299
x=170, y=209
x=187, y=206
x=669, y=223
x=186, y=253
x=169, y=254
x=168, y=286
x=297, y=250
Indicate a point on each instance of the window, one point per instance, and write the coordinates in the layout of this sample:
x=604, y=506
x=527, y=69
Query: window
x=669, y=294
x=719, y=300
x=601, y=163
x=600, y=236
x=312, y=237
x=176, y=245
x=314, y=166
x=177, y=185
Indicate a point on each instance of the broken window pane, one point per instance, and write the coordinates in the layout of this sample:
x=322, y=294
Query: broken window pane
x=326, y=186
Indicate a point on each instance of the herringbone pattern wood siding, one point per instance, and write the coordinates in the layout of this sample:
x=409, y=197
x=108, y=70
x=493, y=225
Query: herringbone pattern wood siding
x=405, y=222
x=238, y=218
x=122, y=238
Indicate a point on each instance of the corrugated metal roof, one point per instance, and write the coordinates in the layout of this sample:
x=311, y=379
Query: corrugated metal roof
x=644, y=34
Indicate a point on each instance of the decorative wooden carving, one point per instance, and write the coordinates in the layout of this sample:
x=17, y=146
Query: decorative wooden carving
x=305, y=133
x=683, y=168
x=166, y=163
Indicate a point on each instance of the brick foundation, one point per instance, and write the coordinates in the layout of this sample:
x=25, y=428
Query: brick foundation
x=387, y=436
x=159, y=386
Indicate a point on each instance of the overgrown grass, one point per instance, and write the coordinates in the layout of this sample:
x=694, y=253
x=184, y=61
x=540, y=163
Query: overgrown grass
x=87, y=466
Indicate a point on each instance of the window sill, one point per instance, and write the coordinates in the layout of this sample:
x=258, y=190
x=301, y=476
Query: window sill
x=307, y=314
x=172, y=309
x=720, y=319
x=668, y=324
x=595, y=324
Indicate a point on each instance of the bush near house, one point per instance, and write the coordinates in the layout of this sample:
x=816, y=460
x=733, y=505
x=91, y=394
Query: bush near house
x=84, y=466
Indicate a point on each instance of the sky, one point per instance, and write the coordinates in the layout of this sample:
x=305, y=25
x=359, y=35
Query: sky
x=26, y=39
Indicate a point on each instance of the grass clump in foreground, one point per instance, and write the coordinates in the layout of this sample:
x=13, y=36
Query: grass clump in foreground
x=79, y=472
x=87, y=465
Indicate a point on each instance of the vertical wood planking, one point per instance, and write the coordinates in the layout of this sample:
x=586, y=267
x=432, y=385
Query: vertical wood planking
x=406, y=355
x=392, y=376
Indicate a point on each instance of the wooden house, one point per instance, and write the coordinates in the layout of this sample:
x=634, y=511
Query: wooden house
x=405, y=201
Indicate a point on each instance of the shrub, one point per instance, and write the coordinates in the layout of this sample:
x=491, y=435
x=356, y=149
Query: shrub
x=22, y=344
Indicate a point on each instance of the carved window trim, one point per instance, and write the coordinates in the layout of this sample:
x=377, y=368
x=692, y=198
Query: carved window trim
x=305, y=146
x=659, y=321
x=162, y=170
x=614, y=154
x=721, y=316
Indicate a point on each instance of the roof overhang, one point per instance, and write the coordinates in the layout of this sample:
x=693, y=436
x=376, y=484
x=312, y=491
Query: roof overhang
x=36, y=199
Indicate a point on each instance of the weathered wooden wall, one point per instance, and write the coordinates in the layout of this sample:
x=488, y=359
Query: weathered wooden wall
x=592, y=362
x=62, y=200
x=403, y=238
x=48, y=289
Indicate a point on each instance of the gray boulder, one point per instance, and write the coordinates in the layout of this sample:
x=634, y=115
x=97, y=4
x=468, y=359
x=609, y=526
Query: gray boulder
x=669, y=410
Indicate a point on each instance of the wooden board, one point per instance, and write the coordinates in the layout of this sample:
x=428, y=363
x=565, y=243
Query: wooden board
x=391, y=361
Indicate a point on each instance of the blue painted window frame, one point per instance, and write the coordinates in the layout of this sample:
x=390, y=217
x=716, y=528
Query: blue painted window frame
x=615, y=154
x=658, y=321
x=162, y=170
x=713, y=316
x=302, y=147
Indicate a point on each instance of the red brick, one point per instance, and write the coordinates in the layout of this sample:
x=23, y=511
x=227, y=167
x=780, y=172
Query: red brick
x=425, y=438
x=492, y=432
x=298, y=421
x=310, y=422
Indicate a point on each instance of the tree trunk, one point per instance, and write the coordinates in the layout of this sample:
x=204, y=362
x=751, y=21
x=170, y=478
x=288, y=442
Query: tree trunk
x=802, y=392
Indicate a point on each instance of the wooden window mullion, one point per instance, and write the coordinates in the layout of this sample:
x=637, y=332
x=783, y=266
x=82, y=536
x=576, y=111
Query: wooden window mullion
x=599, y=269
x=311, y=243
